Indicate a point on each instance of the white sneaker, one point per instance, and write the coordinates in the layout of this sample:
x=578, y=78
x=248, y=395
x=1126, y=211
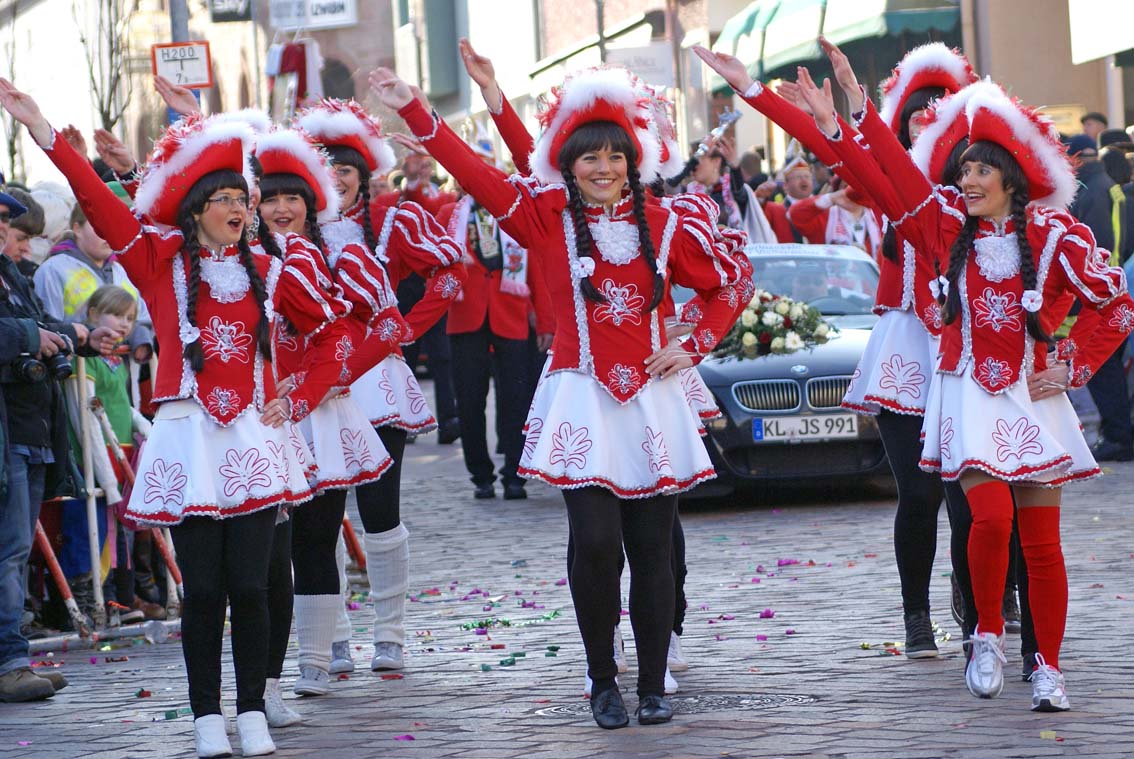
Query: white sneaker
x=670, y=683
x=1049, y=694
x=341, y=660
x=387, y=656
x=676, y=658
x=985, y=672
x=254, y=737
x=312, y=681
x=620, y=651
x=588, y=685
x=209, y=733
x=279, y=713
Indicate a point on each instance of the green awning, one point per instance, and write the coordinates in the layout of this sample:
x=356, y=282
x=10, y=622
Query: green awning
x=791, y=35
x=743, y=36
x=850, y=20
x=736, y=26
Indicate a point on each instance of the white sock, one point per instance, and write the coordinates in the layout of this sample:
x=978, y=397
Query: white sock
x=342, y=626
x=315, y=628
x=387, y=566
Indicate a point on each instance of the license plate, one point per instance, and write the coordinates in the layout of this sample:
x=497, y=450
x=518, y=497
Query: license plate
x=798, y=428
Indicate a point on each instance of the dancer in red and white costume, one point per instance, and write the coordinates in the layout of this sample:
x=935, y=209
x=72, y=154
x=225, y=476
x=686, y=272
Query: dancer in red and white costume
x=298, y=196
x=891, y=381
x=219, y=460
x=380, y=244
x=998, y=418
x=609, y=424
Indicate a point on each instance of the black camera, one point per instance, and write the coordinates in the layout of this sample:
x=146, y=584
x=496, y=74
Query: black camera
x=28, y=368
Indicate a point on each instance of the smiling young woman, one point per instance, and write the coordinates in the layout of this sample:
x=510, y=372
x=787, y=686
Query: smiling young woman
x=609, y=425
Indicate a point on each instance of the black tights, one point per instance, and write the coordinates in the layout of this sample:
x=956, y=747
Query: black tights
x=314, y=537
x=919, y=502
x=280, y=599
x=602, y=524
x=219, y=559
x=379, y=503
x=680, y=572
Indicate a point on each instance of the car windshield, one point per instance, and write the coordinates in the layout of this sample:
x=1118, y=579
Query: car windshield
x=836, y=285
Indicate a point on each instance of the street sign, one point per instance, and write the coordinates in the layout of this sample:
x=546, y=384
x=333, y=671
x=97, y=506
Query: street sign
x=184, y=63
x=291, y=15
x=221, y=11
x=652, y=62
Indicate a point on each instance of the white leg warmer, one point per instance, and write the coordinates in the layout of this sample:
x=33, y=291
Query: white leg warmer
x=315, y=628
x=342, y=626
x=387, y=566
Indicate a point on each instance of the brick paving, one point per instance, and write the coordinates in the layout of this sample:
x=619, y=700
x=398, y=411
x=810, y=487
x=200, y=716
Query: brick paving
x=799, y=684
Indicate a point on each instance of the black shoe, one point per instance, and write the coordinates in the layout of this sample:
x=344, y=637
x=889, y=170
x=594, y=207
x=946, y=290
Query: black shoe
x=654, y=710
x=609, y=711
x=514, y=491
x=449, y=431
x=485, y=491
x=1104, y=450
x=1029, y=666
x=1010, y=610
x=919, y=636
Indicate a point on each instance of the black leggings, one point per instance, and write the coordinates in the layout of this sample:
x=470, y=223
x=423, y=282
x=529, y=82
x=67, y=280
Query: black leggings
x=314, y=538
x=379, y=503
x=919, y=502
x=680, y=572
x=602, y=524
x=280, y=599
x=219, y=559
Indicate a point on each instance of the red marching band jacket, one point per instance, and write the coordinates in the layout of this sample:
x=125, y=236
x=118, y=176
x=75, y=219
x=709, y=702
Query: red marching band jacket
x=507, y=313
x=611, y=340
x=409, y=240
x=235, y=377
x=989, y=337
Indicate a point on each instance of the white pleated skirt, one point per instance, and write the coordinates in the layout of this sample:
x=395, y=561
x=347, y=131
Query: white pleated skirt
x=192, y=466
x=343, y=445
x=895, y=369
x=390, y=396
x=577, y=435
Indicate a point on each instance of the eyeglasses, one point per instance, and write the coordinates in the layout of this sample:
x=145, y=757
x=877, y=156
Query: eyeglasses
x=228, y=201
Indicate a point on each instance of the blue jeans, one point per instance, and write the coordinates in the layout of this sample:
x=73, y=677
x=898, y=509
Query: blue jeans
x=18, y=517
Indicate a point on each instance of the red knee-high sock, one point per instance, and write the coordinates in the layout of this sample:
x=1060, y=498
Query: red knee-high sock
x=1047, y=577
x=991, y=505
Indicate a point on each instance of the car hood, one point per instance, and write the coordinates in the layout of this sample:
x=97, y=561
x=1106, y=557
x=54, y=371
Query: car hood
x=837, y=356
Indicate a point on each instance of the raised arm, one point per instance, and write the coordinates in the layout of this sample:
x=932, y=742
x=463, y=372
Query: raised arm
x=516, y=136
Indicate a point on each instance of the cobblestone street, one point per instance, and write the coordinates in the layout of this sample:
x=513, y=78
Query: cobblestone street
x=800, y=683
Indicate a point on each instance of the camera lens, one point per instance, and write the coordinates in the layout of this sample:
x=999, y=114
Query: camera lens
x=59, y=366
x=28, y=369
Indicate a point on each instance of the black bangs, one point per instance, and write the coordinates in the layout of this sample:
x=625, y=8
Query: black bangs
x=991, y=154
x=918, y=100
x=953, y=163
x=343, y=155
x=286, y=184
x=597, y=135
x=203, y=189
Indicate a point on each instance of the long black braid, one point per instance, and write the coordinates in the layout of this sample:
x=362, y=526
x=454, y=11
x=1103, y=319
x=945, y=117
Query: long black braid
x=584, y=243
x=260, y=291
x=1027, y=262
x=268, y=238
x=645, y=241
x=367, y=225
x=313, y=233
x=193, y=352
x=958, y=255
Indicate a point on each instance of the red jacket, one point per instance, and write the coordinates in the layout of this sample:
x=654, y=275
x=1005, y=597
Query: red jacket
x=777, y=217
x=482, y=298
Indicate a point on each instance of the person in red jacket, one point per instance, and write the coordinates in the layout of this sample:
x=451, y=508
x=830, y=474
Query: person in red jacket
x=835, y=218
x=488, y=326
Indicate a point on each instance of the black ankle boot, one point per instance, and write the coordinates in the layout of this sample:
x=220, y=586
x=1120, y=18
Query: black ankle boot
x=654, y=710
x=608, y=710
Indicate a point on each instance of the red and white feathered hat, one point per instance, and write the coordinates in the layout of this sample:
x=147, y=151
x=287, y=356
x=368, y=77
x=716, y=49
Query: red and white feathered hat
x=345, y=123
x=946, y=124
x=609, y=93
x=661, y=108
x=932, y=65
x=254, y=117
x=290, y=151
x=186, y=151
x=1033, y=141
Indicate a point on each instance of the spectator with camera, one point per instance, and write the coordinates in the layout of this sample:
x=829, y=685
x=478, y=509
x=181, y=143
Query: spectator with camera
x=22, y=229
x=36, y=450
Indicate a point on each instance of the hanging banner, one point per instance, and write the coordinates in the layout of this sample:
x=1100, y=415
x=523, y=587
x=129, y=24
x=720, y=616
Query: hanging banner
x=184, y=63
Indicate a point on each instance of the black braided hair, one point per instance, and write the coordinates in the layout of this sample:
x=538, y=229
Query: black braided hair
x=260, y=291
x=1027, y=262
x=958, y=255
x=191, y=207
x=313, y=233
x=645, y=241
x=367, y=225
x=890, y=243
x=268, y=238
x=584, y=244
